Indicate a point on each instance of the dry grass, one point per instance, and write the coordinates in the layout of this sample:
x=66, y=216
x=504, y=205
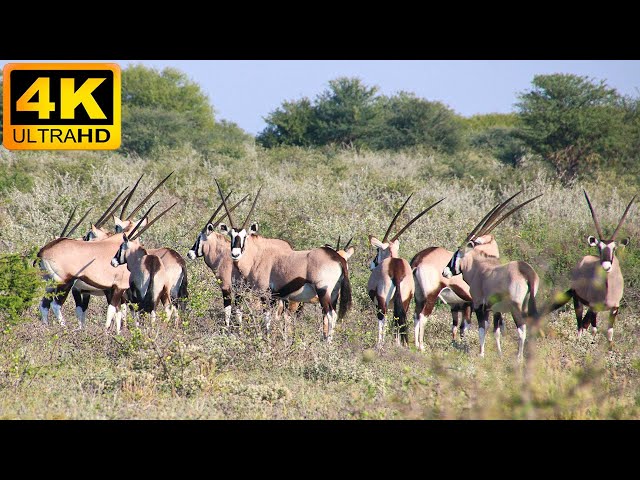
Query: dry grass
x=201, y=370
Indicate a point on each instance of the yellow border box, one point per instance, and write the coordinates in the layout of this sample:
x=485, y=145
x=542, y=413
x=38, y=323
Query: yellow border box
x=62, y=137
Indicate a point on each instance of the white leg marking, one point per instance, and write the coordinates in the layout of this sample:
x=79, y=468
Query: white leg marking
x=498, y=333
x=80, y=316
x=57, y=312
x=610, y=334
x=522, y=336
x=333, y=316
x=423, y=320
x=267, y=321
x=454, y=331
x=416, y=330
x=227, y=315
x=44, y=313
x=111, y=311
x=381, y=332
x=594, y=330
x=481, y=335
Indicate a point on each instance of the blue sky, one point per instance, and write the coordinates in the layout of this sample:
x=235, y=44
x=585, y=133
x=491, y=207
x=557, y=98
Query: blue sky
x=245, y=91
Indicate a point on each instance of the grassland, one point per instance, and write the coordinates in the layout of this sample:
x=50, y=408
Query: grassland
x=309, y=197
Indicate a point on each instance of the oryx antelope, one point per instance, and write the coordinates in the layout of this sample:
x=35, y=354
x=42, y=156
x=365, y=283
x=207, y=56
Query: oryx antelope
x=596, y=282
x=496, y=287
x=214, y=247
x=149, y=280
x=391, y=278
x=269, y=264
x=431, y=284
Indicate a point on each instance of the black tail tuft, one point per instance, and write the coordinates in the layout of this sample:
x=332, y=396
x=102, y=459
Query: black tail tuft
x=345, y=294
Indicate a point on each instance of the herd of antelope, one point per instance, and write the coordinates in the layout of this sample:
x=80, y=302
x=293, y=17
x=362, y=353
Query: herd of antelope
x=113, y=263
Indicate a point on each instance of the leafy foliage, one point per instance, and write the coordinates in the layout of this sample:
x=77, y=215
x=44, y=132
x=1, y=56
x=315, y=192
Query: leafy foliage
x=166, y=109
x=350, y=114
x=574, y=122
x=19, y=282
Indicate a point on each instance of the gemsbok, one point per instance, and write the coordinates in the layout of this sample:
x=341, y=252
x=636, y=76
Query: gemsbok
x=391, y=278
x=501, y=288
x=214, y=247
x=270, y=264
x=149, y=281
x=597, y=282
x=431, y=284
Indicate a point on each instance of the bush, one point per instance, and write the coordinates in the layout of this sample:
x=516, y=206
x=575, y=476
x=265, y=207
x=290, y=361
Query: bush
x=19, y=283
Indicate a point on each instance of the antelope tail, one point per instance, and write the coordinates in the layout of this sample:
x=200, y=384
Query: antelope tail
x=182, y=291
x=557, y=301
x=398, y=308
x=345, y=292
x=147, y=304
x=532, y=310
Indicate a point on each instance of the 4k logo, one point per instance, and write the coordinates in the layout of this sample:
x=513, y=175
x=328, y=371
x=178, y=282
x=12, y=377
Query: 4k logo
x=61, y=106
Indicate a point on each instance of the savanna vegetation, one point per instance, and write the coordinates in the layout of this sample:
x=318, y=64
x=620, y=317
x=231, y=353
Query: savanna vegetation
x=324, y=172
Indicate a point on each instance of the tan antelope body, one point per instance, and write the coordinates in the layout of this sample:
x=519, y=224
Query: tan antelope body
x=597, y=282
x=431, y=284
x=149, y=280
x=391, y=279
x=501, y=288
x=270, y=264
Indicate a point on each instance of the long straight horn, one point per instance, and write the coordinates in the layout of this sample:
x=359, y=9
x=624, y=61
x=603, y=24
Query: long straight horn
x=153, y=221
x=386, y=234
x=217, y=222
x=491, y=220
x=348, y=243
x=105, y=215
x=244, y=225
x=79, y=222
x=137, y=209
x=510, y=212
x=126, y=204
x=224, y=203
x=397, y=235
x=338, y=244
x=64, y=230
x=216, y=212
x=112, y=212
x=146, y=214
x=593, y=215
x=489, y=217
x=624, y=215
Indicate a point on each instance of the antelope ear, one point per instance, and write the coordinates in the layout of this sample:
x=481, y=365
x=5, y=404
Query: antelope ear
x=625, y=242
x=209, y=228
x=119, y=224
x=375, y=242
x=591, y=240
x=348, y=252
x=253, y=229
x=224, y=229
x=94, y=229
x=471, y=244
x=142, y=223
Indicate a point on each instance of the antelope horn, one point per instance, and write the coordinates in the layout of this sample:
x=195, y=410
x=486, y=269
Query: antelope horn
x=593, y=215
x=348, y=243
x=244, y=225
x=490, y=223
x=124, y=207
x=153, y=221
x=397, y=235
x=513, y=210
x=105, y=215
x=64, y=230
x=493, y=213
x=216, y=212
x=231, y=210
x=137, y=209
x=224, y=203
x=338, y=244
x=624, y=215
x=138, y=224
x=79, y=222
x=112, y=212
x=386, y=234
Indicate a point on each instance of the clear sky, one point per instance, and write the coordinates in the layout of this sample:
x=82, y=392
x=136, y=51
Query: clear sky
x=245, y=91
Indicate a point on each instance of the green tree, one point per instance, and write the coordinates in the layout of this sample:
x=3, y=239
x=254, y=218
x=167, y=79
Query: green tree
x=405, y=120
x=289, y=125
x=166, y=109
x=574, y=122
x=343, y=113
x=19, y=283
